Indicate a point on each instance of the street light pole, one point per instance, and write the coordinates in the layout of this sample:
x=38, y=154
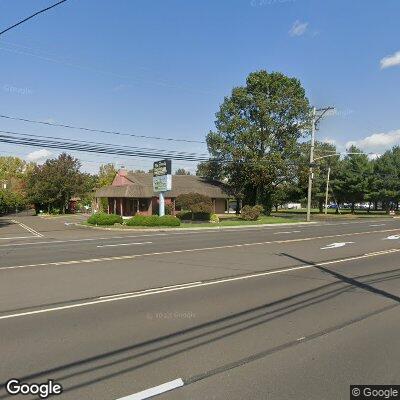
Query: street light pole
x=315, y=120
x=310, y=172
x=327, y=190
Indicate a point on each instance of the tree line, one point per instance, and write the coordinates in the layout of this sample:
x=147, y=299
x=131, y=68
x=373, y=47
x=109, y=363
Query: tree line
x=258, y=149
x=50, y=187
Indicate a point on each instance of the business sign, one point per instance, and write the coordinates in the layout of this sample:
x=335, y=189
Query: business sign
x=162, y=179
x=162, y=167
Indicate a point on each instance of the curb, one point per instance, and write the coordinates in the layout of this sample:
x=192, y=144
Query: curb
x=194, y=229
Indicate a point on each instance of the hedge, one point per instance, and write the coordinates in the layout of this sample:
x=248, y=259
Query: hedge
x=153, y=220
x=104, y=219
x=188, y=216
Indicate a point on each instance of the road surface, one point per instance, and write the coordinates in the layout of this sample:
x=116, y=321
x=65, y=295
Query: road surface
x=281, y=312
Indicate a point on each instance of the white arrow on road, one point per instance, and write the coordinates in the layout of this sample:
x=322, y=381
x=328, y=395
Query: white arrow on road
x=393, y=237
x=335, y=245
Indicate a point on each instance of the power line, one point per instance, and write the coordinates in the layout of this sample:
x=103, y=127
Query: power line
x=102, y=148
x=145, y=149
x=70, y=126
x=31, y=16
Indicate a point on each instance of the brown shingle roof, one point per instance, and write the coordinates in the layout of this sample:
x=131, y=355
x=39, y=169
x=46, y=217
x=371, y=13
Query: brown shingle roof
x=142, y=187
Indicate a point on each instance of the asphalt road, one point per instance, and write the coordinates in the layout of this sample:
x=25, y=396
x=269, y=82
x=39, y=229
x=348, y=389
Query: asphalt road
x=295, y=311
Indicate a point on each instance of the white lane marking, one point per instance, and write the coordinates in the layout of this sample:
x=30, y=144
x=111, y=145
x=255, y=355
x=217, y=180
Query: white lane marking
x=16, y=237
x=154, y=391
x=191, y=285
x=377, y=253
x=132, y=256
x=79, y=240
x=335, y=245
x=150, y=290
x=123, y=244
x=278, y=233
x=393, y=237
x=186, y=232
x=378, y=225
x=26, y=227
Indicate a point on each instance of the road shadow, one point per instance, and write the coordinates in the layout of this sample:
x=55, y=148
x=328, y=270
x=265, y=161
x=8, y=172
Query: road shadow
x=142, y=354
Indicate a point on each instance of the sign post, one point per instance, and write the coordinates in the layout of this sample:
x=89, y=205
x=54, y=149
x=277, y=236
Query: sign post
x=162, y=181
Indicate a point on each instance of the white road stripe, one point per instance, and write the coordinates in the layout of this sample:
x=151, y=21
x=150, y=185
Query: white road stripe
x=123, y=244
x=278, y=233
x=16, y=237
x=154, y=391
x=192, y=285
x=185, y=232
x=31, y=230
x=149, y=290
x=378, y=225
x=160, y=253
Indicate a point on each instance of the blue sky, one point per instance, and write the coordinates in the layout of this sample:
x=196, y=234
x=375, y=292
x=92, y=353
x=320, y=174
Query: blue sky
x=162, y=67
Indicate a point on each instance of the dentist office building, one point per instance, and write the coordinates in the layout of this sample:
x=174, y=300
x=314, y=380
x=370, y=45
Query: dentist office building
x=132, y=193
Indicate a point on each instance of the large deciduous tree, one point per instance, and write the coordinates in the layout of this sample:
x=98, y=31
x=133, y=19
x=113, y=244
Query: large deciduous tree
x=257, y=132
x=55, y=182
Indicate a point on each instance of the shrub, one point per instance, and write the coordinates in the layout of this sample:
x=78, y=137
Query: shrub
x=201, y=216
x=184, y=215
x=169, y=220
x=214, y=218
x=250, y=213
x=104, y=219
x=189, y=216
x=195, y=202
x=153, y=220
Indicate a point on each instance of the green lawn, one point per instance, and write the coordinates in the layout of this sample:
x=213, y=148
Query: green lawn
x=231, y=220
x=235, y=221
x=332, y=213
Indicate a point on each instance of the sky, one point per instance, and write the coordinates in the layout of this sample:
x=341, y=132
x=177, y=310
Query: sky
x=162, y=68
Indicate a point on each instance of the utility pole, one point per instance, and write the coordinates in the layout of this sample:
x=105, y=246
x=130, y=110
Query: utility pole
x=310, y=172
x=327, y=190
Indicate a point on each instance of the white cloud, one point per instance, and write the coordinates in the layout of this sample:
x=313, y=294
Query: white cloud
x=390, y=61
x=377, y=143
x=298, y=28
x=38, y=155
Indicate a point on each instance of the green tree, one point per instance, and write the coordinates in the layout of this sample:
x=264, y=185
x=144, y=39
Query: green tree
x=352, y=183
x=11, y=167
x=106, y=174
x=55, y=182
x=211, y=170
x=386, y=179
x=257, y=132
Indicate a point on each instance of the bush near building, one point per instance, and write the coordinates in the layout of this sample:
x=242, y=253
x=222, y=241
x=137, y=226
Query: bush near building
x=153, y=220
x=104, y=219
x=189, y=216
x=199, y=206
x=250, y=213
